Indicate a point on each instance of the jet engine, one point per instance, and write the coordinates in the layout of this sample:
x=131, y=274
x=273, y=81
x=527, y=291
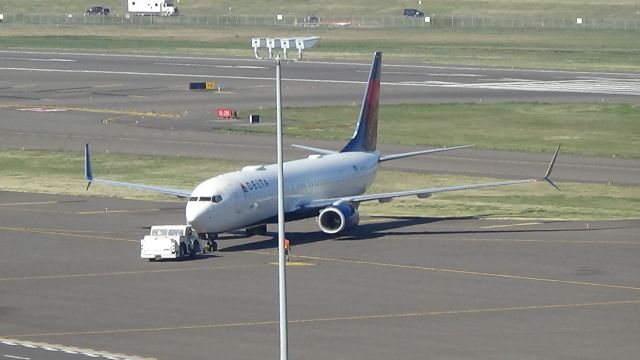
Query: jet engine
x=338, y=218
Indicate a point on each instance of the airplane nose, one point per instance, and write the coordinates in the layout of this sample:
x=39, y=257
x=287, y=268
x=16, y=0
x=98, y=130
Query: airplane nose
x=197, y=216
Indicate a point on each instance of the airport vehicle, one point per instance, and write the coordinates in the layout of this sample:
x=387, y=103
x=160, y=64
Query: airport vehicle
x=97, y=10
x=172, y=242
x=329, y=184
x=151, y=7
x=413, y=13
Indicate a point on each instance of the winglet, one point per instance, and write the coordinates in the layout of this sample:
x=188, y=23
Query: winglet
x=551, y=164
x=87, y=166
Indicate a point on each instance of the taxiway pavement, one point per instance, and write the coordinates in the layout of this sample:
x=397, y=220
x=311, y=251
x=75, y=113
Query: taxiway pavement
x=140, y=104
x=413, y=288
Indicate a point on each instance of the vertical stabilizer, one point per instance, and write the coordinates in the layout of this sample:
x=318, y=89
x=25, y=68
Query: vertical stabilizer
x=366, y=135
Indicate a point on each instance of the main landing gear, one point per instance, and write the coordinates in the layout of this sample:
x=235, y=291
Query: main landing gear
x=257, y=230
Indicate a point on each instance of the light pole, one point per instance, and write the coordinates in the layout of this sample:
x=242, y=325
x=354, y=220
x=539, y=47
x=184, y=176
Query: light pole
x=282, y=271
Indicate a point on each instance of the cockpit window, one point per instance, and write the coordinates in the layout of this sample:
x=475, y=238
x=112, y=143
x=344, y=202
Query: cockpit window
x=193, y=198
x=216, y=198
x=205, y=198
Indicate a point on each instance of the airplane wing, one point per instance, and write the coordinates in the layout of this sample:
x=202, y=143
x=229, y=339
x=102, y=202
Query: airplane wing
x=89, y=176
x=425, y=193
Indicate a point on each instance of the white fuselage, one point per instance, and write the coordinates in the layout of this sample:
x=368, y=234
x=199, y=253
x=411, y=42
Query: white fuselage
x=249, y=197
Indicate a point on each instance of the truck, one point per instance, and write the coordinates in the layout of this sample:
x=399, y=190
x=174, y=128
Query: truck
x=152, y=7
x=173, y=242
x=97, y=10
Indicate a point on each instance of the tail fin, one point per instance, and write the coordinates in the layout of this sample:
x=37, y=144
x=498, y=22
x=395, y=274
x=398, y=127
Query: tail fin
x=87, y=166
x=366, y=135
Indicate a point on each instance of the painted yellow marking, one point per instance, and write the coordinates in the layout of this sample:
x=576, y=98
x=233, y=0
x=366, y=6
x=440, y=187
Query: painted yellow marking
x=510, y=225
x=107, y=85
x=109, y=211
x=120, y=273
x=595, y=242
x=295, y=263
x=373, y=221
x=345, y=318
x=97, y=110
x=23, y=86
x=464, y=272
x=64, y=233
x=30, y=203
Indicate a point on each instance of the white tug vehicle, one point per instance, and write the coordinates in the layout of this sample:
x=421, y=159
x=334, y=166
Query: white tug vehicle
x=173, y=242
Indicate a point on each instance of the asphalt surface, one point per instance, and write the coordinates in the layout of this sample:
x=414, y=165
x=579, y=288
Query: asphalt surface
x=140, y=104
x=72, y=285
x=410, y=288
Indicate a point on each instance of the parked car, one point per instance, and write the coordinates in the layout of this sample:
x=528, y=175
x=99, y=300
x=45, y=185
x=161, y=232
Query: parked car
x=98, y=10
x=413, y=13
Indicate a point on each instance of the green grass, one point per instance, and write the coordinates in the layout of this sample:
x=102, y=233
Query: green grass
x=614, y=50
x=585, y=8
x=61, y=173
x=585, y=129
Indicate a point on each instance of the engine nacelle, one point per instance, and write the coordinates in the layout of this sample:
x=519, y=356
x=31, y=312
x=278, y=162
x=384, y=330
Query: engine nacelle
x=338, y=218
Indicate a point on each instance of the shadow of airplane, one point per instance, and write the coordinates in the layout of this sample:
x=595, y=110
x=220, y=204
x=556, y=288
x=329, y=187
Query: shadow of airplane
x=391, y=227
x=361, y=232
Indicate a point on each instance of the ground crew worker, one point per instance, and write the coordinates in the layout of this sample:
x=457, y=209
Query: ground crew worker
x=287, y=248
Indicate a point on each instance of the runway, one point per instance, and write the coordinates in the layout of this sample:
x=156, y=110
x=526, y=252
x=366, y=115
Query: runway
x=397, y=287
x=140, y=104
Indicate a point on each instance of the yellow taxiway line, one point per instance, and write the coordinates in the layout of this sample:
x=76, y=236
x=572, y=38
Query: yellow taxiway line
x=510, y=225
x=343, y=318
x=136, y=272
x=462, y=272
x=63, y=233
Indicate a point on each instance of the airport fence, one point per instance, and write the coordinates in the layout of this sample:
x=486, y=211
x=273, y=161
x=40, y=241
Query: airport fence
x=435, y=21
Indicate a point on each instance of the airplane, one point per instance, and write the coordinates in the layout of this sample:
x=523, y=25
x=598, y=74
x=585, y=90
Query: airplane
x=329, y=185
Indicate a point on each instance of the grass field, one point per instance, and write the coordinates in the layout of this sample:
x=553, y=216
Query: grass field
x=586, y=129
x=24, y=170
x=613, y=50
x=585, y=8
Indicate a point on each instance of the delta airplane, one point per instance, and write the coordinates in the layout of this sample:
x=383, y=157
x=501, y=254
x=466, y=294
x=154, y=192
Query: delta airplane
x=329, y=185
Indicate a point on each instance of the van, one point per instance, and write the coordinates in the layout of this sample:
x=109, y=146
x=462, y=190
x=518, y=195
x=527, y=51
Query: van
x=413, y=13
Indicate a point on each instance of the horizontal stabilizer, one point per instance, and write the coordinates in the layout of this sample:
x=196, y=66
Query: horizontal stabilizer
x=315, y=149
x=420, y=152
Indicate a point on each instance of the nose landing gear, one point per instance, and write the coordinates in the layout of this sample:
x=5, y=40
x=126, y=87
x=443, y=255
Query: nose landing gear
x=210, y=241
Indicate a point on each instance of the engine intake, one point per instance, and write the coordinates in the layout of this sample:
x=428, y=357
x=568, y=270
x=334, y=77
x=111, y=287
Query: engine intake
x=338, y=218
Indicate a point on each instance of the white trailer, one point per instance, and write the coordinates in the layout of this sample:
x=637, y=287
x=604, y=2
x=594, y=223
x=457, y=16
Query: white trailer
x=173, y=242
x=152, y=7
